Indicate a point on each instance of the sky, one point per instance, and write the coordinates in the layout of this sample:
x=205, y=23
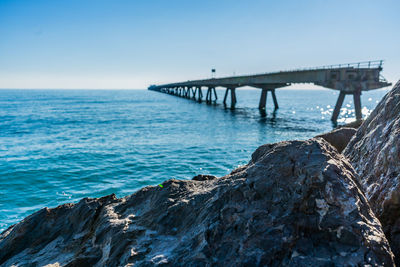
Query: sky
x=116, y=44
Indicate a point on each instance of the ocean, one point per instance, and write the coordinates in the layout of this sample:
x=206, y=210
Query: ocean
x=58, y=146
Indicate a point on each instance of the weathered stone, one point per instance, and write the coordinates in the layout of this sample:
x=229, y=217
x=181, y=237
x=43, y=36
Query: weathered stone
x=339, y=138
x=375, y=154
x=204, y=177
x=295, y=203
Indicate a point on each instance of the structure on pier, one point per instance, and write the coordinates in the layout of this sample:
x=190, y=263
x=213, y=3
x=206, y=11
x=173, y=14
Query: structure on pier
x=349, y=79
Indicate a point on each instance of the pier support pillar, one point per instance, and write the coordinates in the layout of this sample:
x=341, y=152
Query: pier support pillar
x=233, y=97
x=263, y=99
x=226, y=95
x=215, y=94
x=209, y=95
x=357, y=104
x=200, y=94
x=193, y=92
x=274, y=98
x=339, y=104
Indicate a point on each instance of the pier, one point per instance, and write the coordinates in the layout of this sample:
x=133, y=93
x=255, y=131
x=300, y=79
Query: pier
x=349, y=79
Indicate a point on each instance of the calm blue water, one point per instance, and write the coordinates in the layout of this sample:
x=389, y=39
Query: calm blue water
x=59, y=146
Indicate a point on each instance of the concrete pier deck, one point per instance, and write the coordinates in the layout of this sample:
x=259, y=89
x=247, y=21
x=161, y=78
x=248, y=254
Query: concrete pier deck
x=349, y=79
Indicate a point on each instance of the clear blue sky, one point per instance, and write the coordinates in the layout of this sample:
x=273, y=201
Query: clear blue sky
x=131, y=44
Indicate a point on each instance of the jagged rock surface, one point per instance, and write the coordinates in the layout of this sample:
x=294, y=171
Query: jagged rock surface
x=339, y=138
x=295, y=203
x=375, y=154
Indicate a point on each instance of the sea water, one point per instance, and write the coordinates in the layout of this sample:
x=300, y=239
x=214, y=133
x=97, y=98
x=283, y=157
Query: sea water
x=58, y=146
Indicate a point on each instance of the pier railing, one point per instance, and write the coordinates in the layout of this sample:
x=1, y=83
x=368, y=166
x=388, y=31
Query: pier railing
x=373, y=64
x=358, y=65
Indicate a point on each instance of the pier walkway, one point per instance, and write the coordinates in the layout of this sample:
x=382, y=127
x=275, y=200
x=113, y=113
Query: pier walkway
x=349, y=79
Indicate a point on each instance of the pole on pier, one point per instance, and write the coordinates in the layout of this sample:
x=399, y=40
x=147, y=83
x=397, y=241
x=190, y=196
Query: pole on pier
x=208, y=95
x=274, y=98
x=263, y=99
x=357, y=104
x=339, y=104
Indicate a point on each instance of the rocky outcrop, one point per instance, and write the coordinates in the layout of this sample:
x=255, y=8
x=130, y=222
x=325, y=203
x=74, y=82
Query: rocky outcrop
x=375, y=154
x=339, y=138
x=354, y=124
x=296, y=203
x=204, y=177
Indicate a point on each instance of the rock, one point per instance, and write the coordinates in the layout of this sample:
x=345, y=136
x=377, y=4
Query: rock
x=375, y=154
x=203, y=177
x=339, y=138
x=354, y=124
x=295, y=203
